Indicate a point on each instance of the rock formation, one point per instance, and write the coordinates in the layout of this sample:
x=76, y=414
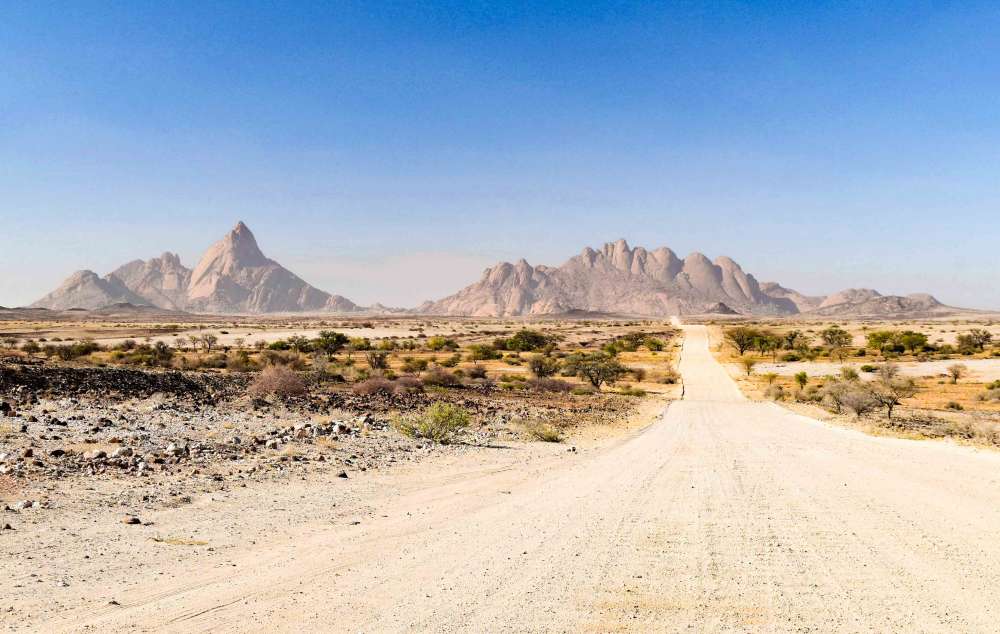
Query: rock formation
x=233, y=276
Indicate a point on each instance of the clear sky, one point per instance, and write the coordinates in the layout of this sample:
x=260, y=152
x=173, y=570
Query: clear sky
x=390, y=151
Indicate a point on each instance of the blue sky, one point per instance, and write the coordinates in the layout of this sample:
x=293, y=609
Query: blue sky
x=390, y=151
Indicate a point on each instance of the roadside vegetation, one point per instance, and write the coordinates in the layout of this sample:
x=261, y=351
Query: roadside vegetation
x=920, y=380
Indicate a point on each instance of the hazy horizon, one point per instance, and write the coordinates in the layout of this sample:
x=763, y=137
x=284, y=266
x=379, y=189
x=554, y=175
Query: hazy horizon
x=390, y=153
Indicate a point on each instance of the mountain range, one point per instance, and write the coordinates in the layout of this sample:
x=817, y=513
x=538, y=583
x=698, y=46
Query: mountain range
x=621, y=280
x=235, y=277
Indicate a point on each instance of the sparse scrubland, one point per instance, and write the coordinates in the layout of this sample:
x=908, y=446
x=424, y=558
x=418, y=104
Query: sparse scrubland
x=263, y=398
x=918, y=379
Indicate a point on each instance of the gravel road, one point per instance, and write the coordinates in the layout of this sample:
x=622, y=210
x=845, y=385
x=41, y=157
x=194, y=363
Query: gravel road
x=725, y=515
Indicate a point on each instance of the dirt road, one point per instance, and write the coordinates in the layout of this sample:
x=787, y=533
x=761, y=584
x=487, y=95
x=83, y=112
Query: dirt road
x=726, y=515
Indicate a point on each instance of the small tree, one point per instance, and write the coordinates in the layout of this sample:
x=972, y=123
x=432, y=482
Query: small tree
x=542, y=366
x=981, y=337
x=956, y=372
x=482, y=352
x=748, y=364
x=377, y=359
x=889, y=390
x=741, y=337
x=330, y=342
x=836, y=338
x=209, y=340
x=599, y=368
x=802, y=379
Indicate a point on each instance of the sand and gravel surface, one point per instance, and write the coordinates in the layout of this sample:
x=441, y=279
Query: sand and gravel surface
x=724, y=515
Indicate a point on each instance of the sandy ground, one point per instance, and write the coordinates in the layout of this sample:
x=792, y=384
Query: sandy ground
x=724, y=515
x=981, y=370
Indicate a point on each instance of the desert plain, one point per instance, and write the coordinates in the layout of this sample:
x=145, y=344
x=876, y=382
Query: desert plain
x=386, y=473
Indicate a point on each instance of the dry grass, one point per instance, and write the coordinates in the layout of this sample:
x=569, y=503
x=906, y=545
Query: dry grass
x=327, y=443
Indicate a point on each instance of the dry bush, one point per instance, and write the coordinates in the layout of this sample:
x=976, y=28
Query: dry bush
x=670, y=376
x=543, y=432
x=409, y=384
x=629, y=390
x=374, y=385
x=440, y=378
x=549, y=385
x=277, y=380
x=476, y=372
x=287, y=358
x=441, y=423
x=775, y=393
x=857, y=401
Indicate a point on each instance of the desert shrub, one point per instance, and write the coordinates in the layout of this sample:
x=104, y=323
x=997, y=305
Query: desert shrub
x=847, y=373
x=639, y=374
x=441, y=343
x=513, y=359
x=524, y=341
x=670, y=376
x=374, y=385
x=409, y=385
x=653, y=344
x=440, y=378
x=477, y=372
x=549, y=385
x=628, y=390
x=377, y=359
x=288, y=359
x=240, y=362
x=76, y=350
x=954, y=405
x=277, y=380
x=791, y=357
x=582, y=390
x=31, y=347
x=450, y=362
x=868, y=368
x=512, y=378
x=857, y=401
x=775, y=393
x=543, y=432
x=992, y=394
x=441, y=423
x=482, y=352
x=542, y=366
x=414, y=365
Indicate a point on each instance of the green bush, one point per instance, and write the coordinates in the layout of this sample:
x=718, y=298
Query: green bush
x=440, y=423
